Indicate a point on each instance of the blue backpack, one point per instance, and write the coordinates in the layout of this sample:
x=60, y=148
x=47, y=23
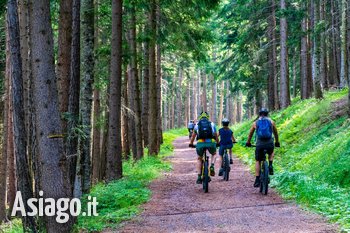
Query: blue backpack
x=264, y=129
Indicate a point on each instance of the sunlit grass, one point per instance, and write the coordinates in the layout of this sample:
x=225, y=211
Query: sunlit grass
x=313, y=164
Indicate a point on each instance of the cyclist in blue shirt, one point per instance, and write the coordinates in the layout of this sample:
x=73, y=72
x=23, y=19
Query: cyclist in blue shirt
x=226, y=142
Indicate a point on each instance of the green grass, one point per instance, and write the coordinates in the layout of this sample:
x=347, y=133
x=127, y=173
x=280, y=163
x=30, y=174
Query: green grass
x=313, y=164
x=120, y=200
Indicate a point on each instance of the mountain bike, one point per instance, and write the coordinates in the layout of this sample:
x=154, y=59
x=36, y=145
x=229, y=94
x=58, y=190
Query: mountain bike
x=226, y=165
x=264, y=173
x=205, y=169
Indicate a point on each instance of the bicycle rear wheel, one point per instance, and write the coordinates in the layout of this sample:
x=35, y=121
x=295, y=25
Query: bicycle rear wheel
x=206, y=176
x=226, y=167
x=265, y=178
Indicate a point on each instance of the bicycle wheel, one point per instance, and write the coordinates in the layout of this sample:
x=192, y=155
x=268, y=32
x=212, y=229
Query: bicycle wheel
x=265, y=178
x=205, y=174
x=226, y=167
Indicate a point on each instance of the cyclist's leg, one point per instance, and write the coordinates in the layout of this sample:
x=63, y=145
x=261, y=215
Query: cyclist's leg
x=200, y=151
x=212, y=151
x=270, y=151
x=259, y=151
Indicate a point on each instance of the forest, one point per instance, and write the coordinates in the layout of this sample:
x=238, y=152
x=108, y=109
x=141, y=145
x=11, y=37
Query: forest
x=90, y=86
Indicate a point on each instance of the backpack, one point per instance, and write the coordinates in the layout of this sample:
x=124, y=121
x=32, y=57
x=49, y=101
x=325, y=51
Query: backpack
x=264, y=129
x=205, y=130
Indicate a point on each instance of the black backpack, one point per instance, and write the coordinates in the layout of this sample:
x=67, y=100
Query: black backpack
x=205, y=130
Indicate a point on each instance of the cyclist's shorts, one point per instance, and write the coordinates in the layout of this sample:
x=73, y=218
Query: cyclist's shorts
x=224, y=147
x=201, y=145
x=259, y=151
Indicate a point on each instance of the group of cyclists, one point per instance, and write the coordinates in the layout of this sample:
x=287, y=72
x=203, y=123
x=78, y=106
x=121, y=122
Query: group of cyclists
x=205, y=133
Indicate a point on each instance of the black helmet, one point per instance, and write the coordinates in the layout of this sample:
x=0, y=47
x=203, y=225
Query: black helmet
x=225, y=122
x=263, y=112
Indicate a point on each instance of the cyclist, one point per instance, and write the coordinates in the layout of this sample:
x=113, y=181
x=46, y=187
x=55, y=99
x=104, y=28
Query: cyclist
x=207, y=137
x=226, y=142
x=265, y=130
x=190, y=127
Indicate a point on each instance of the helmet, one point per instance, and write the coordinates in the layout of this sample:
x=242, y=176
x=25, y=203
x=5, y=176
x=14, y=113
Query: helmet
x=192, y=121
x=203, y=115
x=263, y=112
x=225, y=122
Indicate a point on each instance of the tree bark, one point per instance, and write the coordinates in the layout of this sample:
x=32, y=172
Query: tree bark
x=152, y=118
x=54, y=175
x=159, y=88
x=134, y=79
x=87, y=29
x=23, y=175
x=194, y=101
x=204, y=91
x=323, y=50
x=114, y=152
x=74, y=94
x=284, y=80
x=303, y=61
x=145, y=93
x=214, y=99
x=125, y=126
x=343, y=49
x=221, y=108
x=64, y=56
x=272, y=59
x=179, y=109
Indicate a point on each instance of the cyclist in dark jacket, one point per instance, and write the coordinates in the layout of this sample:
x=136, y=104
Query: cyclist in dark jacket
x=264, y=142
x=226, y=142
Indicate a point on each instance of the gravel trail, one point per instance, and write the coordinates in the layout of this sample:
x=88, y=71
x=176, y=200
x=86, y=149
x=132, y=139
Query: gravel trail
x=180, y=205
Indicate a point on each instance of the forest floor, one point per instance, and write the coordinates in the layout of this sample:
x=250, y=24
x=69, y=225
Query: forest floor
x=178, y=204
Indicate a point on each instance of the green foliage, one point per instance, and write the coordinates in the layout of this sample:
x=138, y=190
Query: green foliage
x=15, y=226
x=312, y=165
x=120, y=200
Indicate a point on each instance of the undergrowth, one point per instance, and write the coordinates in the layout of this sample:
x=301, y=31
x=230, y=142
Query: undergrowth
x=313, y=164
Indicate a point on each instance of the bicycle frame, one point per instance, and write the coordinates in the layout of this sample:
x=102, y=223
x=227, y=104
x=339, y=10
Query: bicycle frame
x=205, y=170
x=264, y=174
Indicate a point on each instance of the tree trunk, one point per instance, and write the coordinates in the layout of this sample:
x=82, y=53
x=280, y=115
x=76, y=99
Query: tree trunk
x=125, y=126
x=214, y=99
x=221, y=108
x=23, y=175
x=239, y=107
x=179, y=109
x=96, y=129
x=114, y=150
x=87, y=29
x=159, y=90
x=334, y=29
x=315, y=51
x=323, y=50
x=74, y=94
x=343, y=55
x=173, y=100
x=4, y=111
x=53, y=162
x=194, y=101
x=272, y=59
x=145, y=93
x=284, y=80
x=64, y=56
x=204, y=91
x=134, y=79
x=303, y=61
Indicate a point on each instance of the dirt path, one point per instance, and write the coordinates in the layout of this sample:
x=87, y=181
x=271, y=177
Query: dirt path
x=180, y=205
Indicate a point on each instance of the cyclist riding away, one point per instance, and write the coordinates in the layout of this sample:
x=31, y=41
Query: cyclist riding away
x=190, y=127
x=226, y=142
x=207, y=137
x=265, y=130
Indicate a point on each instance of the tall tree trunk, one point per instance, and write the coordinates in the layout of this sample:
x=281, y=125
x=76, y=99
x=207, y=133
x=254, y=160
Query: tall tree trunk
x=125, y=125
x=221, y=108
x=114, y=150
x=54, y=175
x=272, y=59
x=315, y=51
x=64, y=55
x=173, y=100
x=152, y=118
x=135, y=84
x=145, y=93
x=214, y=99
x=96, y=129
x=295, y=73
x=194, y=101
x=284, y=81
x=179, y=109
x=74, y=94
x=159, y=89
x=303, y=61
x=204, y=91
x=23, y=175
x=239, y=107
x=323, y=50
x=87, y=29
x=4, y=111
x=334, y=30
x=343, y=50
